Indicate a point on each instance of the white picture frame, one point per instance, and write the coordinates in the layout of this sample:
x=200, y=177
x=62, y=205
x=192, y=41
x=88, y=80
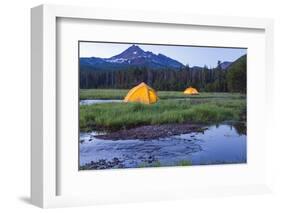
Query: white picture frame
x=44, y=84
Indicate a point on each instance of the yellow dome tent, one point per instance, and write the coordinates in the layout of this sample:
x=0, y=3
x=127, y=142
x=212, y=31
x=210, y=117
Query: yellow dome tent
x=191, y=91
x=141, y=93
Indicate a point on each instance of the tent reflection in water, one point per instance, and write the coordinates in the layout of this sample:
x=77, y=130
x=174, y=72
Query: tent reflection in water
x=191, y=91
x=142, y=93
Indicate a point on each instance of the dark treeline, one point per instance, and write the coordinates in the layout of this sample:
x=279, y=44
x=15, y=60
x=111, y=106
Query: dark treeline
x=205, y=79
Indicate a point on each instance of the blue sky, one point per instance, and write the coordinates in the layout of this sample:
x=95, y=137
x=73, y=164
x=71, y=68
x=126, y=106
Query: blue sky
x=194, y=56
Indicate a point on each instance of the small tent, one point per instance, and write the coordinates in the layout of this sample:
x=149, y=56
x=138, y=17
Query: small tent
x=191, y=91
x=141, y=93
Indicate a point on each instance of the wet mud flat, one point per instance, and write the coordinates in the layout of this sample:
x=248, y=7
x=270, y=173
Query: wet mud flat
x=149, y=132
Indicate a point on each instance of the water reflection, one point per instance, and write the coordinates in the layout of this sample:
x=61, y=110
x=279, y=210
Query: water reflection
x=240, y=128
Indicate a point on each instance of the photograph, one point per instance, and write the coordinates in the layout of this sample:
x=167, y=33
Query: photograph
x=156, y=105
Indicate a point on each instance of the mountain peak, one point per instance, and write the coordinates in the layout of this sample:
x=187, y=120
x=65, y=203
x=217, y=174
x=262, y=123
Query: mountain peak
x=132, y=52
x=135, y=48
x=135, y=56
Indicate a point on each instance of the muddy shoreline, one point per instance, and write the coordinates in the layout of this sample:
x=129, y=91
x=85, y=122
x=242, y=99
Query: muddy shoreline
x=149, y=132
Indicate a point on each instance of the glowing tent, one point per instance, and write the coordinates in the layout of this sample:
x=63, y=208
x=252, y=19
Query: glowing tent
x=141, y=93
x=191, y=91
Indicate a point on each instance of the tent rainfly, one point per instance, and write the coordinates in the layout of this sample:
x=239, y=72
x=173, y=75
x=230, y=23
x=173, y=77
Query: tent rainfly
x=141, y=93
x=191, y=91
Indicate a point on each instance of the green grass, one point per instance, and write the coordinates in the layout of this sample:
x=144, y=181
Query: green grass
x=153, y=164
x=204, y=108
x=158, y=164
x=102, y=94
x=184, y=163
x=121, y=93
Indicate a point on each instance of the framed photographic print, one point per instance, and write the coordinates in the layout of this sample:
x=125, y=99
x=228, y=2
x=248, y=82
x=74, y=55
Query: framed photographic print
x=133, y=106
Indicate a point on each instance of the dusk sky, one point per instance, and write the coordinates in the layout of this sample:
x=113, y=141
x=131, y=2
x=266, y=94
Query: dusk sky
x=194, y=56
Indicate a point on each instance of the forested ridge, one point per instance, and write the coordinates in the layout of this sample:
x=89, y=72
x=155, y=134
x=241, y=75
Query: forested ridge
x=232, y=79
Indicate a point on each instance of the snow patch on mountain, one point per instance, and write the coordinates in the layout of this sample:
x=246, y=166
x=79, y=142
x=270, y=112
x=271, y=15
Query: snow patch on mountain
x=116, y=60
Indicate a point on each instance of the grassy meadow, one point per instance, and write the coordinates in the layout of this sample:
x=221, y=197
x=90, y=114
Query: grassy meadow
x=105, y=94
x=173, y=107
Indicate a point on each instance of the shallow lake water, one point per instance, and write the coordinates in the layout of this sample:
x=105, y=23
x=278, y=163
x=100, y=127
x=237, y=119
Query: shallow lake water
x=97, y=101
x=217, y=145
